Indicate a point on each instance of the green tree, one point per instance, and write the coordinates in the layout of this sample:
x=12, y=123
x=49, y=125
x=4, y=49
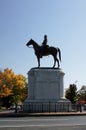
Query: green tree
x=71, y=93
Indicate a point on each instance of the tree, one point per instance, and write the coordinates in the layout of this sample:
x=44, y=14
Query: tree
x=6, y=83
x=19, y=88
x=13, y=88
x=71, y=93
x=82, y=94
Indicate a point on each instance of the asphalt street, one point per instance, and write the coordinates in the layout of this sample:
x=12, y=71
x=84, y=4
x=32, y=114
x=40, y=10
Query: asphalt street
x=44, y=123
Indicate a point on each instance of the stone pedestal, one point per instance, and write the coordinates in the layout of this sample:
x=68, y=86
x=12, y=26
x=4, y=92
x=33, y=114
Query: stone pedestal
x=45, y=88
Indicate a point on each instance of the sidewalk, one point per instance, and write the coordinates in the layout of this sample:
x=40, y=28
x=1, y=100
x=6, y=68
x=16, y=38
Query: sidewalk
x=22, y=114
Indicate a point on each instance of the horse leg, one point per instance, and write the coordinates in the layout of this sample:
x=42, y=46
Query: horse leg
x=38, y=61
x=54, y=61
x=57, y=62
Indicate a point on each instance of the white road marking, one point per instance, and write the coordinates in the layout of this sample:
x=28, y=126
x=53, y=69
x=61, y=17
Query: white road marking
x=18, y=120
x=51, y=125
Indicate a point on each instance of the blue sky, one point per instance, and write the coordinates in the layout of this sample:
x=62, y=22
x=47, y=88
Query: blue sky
x=64, y=21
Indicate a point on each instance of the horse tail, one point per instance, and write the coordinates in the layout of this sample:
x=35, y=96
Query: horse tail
x=59, y=54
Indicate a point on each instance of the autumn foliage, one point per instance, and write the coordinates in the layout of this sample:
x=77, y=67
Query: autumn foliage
x=12, y=86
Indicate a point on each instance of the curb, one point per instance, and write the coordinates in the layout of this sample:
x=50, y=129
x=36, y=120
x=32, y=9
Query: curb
x=42, y=114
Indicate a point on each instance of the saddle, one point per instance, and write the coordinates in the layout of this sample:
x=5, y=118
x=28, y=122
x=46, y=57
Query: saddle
x=43, y=50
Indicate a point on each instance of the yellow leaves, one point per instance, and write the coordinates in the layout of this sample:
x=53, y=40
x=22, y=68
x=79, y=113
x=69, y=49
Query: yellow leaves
x=6, y=77
x=11, y=83
x=5, y=91
x=19, y=82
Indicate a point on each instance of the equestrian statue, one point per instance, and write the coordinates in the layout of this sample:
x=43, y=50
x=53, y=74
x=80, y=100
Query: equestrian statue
x=45, y=50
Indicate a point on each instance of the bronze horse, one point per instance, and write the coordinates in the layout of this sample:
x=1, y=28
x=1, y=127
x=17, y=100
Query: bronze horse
x=39, y=52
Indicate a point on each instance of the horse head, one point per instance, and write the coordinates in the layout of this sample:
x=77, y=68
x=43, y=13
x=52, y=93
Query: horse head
x=29, y=42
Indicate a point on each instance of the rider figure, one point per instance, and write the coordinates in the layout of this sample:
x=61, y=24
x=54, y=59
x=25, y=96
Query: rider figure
x=44, y=44
x=45, y=41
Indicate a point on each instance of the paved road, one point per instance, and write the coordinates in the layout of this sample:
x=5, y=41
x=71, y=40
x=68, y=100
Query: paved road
x=44, y=123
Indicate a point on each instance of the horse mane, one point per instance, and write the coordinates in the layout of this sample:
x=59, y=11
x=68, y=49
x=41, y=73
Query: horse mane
x=34, y=42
